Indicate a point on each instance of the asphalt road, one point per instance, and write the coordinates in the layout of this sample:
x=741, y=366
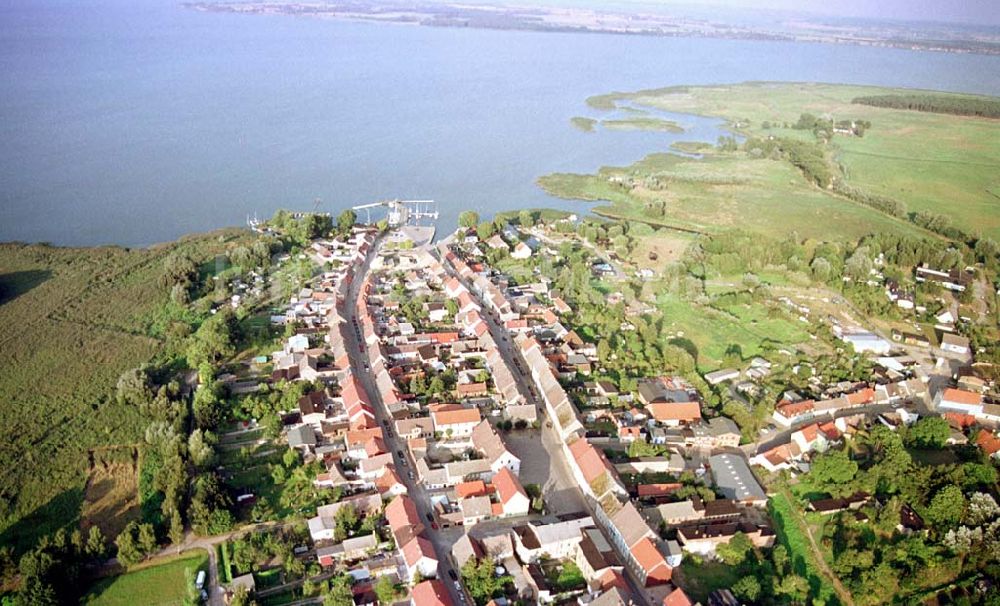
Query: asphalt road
x=778, y=438
x=359, y=361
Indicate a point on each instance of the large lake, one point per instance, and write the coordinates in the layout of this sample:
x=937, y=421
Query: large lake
x=133, y=122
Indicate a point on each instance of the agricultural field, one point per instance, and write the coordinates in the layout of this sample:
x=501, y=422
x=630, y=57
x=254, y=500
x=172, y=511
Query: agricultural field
x=955, y=175
x=71, y=322
x=159, y=584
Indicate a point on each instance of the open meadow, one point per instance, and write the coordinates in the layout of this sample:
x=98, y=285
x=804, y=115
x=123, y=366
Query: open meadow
x=936, y=162
x=720, y=192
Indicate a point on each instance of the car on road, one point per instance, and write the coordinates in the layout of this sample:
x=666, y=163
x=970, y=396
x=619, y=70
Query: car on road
x=411, y=475
x=451, y=573
x=430, y=518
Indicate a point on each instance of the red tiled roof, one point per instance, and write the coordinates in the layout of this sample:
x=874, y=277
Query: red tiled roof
x=476, y=488
x=507, y=486
x=959, y=420
x=864, y=396
x=830, y=431
x=592, y=461
x=651, y=561
x=375, y=446
x=810, y=432
x=388, y=479
x=988, y=442
x=657, y=490
x=794, y=409
x=677, y=597
x=353, y=393
x=416, y=549
x=362, y=436
x=430, y=593
x=456, y=417
x=961, y=396
x=675, y=411
x=612, y=578
x=402, y=512
x=464, y=388
x=528, y=344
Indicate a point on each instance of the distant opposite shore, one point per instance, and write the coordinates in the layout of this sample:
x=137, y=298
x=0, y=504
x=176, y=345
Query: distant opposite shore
x=935, y=37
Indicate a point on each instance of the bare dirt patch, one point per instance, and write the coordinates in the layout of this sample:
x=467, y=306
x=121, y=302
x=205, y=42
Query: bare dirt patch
x=111, y=498
x=666, y=247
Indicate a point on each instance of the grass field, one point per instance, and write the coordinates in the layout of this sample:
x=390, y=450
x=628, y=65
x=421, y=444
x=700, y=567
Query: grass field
x=71, y=322
x=723, y=191
x=942, y=163
x=157, y=585
x=712, y=331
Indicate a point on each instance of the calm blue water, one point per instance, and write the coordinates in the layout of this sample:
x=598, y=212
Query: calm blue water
x=136, y=122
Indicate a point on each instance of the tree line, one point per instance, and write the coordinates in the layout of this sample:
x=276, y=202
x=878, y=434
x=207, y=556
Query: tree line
x=938, y=104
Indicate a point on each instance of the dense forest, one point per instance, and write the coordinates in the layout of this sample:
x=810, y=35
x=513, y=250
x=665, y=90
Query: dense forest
x=938, y=104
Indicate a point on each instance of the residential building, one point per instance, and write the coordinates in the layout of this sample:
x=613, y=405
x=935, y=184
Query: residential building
x=513, y=499
x=455, y=421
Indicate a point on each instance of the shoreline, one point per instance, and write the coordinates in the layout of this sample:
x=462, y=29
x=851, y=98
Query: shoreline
x=934, y=38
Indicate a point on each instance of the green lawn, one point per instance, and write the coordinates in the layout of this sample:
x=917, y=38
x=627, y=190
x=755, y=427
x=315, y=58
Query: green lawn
x=158, y=585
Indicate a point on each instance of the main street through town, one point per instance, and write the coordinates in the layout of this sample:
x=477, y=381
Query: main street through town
x=359, y=367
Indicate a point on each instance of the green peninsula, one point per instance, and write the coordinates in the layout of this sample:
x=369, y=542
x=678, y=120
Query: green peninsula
x=816, y=159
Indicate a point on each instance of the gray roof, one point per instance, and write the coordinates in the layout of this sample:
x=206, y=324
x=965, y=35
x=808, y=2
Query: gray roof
x=722, y=425
x=734, y=479
x=303, y=435
x=630, y=524
x=465, y=549
x=243, y=581
x=476, y=507
x=681, y=510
